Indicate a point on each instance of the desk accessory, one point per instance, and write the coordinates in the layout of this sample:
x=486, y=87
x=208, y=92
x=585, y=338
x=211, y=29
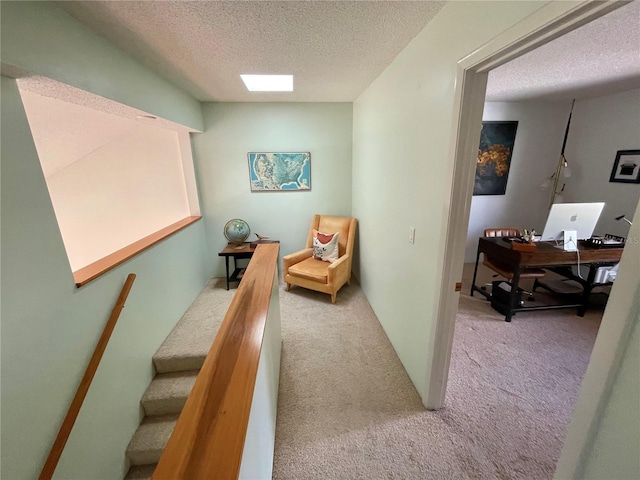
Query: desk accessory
x=570, y=242
x=607, y=240
x=236, y=231
x=523, y=246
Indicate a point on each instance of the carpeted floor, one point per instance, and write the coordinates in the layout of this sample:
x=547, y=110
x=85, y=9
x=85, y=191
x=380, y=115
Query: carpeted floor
x=347, y=409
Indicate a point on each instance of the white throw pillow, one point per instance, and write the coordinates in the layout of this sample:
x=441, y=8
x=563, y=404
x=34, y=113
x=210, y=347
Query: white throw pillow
x=325, y=246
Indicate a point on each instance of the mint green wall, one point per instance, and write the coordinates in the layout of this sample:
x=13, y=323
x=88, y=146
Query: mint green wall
x=401, y=151
x=49, y=328
x=39, y=38
x=402, y=130
x=233, y=129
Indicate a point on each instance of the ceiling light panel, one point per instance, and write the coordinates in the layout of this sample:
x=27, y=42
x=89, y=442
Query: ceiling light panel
x=268, y=83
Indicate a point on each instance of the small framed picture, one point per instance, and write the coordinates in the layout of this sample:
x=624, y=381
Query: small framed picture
x=626, y=168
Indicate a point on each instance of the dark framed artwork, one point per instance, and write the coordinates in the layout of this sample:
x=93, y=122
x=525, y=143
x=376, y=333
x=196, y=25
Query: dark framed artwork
x=494, y=157
x=626, y=168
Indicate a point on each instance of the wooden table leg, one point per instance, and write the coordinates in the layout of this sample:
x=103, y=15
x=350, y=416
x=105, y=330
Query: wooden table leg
x=587, y=287
x=226, y=260
x=475, y=274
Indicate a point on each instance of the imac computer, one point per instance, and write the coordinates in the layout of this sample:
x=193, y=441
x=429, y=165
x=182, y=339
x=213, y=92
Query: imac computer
x=579, y=217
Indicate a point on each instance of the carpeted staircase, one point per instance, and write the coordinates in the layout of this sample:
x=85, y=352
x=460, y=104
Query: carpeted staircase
x=177, y=363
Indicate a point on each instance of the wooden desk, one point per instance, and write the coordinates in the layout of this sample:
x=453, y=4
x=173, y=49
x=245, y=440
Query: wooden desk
x=546, y=255
x=246, y=250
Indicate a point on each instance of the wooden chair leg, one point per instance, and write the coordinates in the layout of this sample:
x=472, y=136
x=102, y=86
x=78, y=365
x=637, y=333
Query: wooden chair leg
x=333, y=297
x=288, y=287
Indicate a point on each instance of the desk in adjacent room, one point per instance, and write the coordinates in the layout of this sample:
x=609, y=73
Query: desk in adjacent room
x=546, y=255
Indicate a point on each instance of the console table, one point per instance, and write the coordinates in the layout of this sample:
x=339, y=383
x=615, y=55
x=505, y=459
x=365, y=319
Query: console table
x=246, y=250
x=546, y=255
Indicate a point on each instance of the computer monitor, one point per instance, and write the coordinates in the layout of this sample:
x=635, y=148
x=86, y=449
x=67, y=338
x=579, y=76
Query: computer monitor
x=581, y=217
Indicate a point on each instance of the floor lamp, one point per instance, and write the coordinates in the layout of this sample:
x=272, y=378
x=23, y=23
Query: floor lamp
x=561, y=170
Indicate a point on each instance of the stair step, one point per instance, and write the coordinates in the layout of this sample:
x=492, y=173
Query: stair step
x=147, y=444
x=187, y=345
x=178, y=363
x=140, y=472
x=168, y=392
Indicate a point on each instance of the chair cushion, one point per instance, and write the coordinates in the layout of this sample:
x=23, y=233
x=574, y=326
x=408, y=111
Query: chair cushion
x=342, y=225
x=311, y=269
x=325, y=246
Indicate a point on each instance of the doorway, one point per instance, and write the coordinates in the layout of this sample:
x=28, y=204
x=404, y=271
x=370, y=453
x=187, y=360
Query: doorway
x=545, y=25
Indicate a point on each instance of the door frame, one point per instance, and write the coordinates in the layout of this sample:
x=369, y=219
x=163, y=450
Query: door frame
x=552, y=20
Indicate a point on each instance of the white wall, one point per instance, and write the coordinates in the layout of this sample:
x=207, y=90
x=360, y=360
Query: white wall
x=614, y=451
x=234, y=129
x=538, y=143
x=602, y=126
x=599, y=128
x=109, y=190
x=603, y=439
x=119, y=194
x=260, y=440
x=402, y=176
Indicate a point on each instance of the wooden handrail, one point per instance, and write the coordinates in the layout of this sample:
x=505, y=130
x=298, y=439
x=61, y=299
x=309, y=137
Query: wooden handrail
x=67, y=424
x=208, y=440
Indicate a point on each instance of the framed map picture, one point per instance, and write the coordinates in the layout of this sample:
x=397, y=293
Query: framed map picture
x=277, y=172
x=494, y=157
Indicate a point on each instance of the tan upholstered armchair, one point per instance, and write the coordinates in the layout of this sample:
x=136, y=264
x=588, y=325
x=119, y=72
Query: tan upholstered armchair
x=300, y=268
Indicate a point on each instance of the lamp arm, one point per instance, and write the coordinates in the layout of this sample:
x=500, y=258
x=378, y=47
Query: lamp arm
x=622, y=217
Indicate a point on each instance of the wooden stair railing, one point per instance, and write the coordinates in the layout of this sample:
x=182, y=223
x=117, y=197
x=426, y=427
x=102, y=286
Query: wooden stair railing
x=65, y=429
x=208, y=440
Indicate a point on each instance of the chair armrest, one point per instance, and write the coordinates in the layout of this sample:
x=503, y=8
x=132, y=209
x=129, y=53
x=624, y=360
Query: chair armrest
x=338, y=270
x=296, y=257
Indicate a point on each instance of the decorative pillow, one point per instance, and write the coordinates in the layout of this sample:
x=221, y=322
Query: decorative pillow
x=325, y=247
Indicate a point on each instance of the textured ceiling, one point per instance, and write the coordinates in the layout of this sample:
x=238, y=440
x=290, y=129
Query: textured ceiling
x=333, y=49
x=598, y=58
x=62, y=92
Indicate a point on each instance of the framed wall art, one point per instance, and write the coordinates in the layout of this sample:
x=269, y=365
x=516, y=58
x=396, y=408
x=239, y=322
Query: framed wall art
x=277, y=172
x=494, y=157
x=626, y=167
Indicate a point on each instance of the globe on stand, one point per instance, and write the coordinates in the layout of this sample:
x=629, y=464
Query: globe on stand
x=236, y=231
